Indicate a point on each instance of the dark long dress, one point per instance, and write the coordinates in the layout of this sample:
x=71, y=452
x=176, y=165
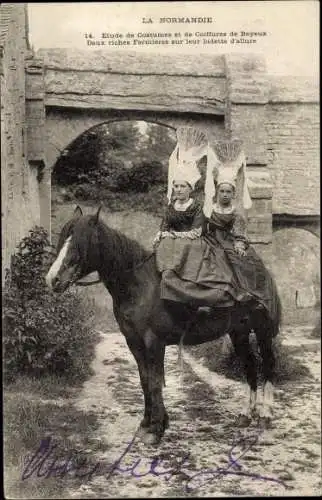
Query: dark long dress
x=207, y=271
x=250, y=276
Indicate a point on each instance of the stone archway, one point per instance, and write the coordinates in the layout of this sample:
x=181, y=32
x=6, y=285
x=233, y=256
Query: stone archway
x=217, y=94
x=115, y=151
x=63, y=126
x=296, y=267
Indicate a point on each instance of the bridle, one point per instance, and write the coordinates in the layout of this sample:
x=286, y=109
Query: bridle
x=96, y=282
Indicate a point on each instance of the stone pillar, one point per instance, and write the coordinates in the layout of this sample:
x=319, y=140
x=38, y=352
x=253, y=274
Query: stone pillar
x=36, y=120
x=246, y=98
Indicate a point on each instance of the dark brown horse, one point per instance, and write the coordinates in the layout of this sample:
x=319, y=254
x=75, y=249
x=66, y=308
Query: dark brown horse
x=86, y=244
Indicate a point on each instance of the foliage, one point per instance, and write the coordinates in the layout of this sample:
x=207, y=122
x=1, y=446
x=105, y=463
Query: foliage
x=97, y=155
x=141, y=177
x=160, y=143
x=116, y=156
x=113, y=201
x=43, y=332
x=80, y=158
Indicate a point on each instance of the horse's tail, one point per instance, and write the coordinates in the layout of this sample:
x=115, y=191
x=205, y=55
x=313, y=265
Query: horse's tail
x=277, y=319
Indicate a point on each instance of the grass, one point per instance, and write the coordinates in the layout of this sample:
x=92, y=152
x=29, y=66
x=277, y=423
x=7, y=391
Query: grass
x=36, y=407
x=33, y=410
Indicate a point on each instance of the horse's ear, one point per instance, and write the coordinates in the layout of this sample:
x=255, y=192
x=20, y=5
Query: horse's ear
x=97, y=216
x=77, y=212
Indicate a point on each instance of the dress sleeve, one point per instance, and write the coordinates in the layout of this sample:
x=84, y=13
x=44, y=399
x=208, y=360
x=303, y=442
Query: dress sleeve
x=199, y=219
x=165, y=226
x=239, y=229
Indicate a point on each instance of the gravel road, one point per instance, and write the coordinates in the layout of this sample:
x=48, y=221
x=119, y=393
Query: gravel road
x=202, y=406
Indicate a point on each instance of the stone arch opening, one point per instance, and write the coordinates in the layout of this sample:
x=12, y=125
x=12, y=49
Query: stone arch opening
x=63, y=126
x=154, y=135
x=73, y=144
x=296, y=266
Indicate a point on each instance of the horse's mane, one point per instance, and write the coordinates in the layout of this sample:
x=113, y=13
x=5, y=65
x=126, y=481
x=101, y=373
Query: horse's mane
x=126, y=251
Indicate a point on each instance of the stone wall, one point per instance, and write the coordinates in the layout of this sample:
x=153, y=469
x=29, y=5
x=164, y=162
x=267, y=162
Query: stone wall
x=225, y=96
x=218, y=94
x=19, y=184
x=275, y=117
x=296, y=266
x=292, y=123
x=246, y=99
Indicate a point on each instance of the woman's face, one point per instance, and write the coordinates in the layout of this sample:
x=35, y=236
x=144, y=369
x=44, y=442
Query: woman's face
x=225, y=194
x=181, y=190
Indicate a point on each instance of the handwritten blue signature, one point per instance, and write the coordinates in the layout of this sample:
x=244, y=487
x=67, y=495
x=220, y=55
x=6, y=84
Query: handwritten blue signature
x=43, y=464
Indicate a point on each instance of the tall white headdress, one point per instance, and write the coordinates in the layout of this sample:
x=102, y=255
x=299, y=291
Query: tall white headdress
x=191, y=147
x=226, y=163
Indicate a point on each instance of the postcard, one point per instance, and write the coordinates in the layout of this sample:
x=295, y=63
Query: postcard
x=161, y=249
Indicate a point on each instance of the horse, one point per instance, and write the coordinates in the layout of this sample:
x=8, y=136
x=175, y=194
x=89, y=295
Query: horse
x=149, y=324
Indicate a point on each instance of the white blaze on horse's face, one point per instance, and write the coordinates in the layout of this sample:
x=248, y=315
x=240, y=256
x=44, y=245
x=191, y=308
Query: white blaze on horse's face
x=56, y=266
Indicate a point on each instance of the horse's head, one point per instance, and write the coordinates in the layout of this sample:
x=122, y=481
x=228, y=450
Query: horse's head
x=76, y=249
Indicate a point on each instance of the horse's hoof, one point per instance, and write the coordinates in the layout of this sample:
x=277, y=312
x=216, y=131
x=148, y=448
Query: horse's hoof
x=142, y=431
x=243, y=421
x=149, y=438
x=255, y=413
x=265, y=422
x=145, y=422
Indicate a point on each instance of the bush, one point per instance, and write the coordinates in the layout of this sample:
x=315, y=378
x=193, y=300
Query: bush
x=141, y=177
x=85, y=192
x=43, y=332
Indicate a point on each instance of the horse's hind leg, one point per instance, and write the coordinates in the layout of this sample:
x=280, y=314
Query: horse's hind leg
x=240, y=340
x=264, y=338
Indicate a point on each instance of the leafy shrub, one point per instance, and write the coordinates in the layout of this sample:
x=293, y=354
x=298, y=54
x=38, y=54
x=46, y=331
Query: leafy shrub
x=43, y=332
x=141, y=177
x=84, y=192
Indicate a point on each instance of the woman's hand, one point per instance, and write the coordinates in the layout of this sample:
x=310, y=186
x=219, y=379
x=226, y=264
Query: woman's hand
x=239, y=247
x=157, y=239
x=167, y=234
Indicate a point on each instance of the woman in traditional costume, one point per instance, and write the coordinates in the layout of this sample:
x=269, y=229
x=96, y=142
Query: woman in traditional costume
x=178, y=243
x=205, y=259
x=226, y=201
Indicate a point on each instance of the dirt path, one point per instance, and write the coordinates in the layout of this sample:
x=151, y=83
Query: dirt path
x=202, y=406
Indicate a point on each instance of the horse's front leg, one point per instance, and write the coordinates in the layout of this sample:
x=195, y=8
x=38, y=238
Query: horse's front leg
x=137, y=347
x=159, y=420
